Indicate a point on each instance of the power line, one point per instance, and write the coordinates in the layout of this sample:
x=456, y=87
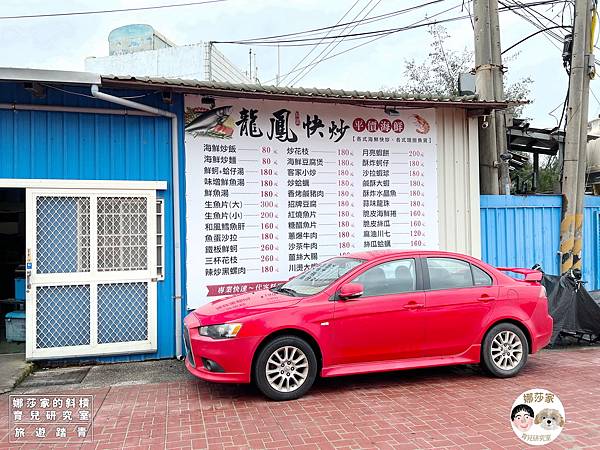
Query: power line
x=595, y=98
x=317, y=44
x=417, y=24
x=105, y=11
x=529, y=14
x=543, y=30
x=301, y=75
x=273, y=41
x=338, y=25
x=379, y=34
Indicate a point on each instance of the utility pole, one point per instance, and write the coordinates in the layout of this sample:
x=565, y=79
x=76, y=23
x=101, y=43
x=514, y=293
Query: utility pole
x=484, y=85
x=209, y=61
x=500, y=115
x=573, y=179
x=278, y=67
x=250, y=65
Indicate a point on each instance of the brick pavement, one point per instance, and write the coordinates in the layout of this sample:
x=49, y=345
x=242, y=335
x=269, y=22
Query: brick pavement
x=433, y=408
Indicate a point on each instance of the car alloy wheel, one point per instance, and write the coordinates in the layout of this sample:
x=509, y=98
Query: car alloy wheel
x=287, y=369
x=506, y=350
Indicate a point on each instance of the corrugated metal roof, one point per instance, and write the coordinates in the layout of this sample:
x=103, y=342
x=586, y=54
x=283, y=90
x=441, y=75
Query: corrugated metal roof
x=227, y=89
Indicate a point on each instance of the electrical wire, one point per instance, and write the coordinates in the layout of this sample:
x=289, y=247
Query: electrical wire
x=333, y=45
x=595, y=98
x=417, y=24
x=318, y=43
x=106, y=11
x=543, y=30
x=274, y=41
x=530, y=15
x=468, y=8
x=338, y=25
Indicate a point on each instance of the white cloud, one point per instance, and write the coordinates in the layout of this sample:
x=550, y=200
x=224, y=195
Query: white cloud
x=64, y=42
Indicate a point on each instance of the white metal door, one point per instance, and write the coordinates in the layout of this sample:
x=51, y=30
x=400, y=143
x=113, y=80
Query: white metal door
x=91, y=272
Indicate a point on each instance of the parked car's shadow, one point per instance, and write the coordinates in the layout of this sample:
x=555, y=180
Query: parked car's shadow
x=404, y=377
x=372, y=381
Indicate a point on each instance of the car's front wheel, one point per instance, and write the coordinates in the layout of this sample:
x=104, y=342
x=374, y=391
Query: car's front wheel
x=505, y=349
x=285, y=368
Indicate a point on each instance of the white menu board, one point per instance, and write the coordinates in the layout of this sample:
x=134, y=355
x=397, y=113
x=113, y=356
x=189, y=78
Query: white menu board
x=274, y=187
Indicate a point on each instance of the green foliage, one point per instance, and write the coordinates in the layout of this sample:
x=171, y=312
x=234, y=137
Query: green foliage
x=438, y=74
x=549, y=176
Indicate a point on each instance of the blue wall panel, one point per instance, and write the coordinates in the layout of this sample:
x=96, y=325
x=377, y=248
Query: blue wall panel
x=591, y=243
x=66, y=145
x=520, y=231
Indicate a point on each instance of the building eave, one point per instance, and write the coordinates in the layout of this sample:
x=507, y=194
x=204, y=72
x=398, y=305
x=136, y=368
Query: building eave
x=314, y=95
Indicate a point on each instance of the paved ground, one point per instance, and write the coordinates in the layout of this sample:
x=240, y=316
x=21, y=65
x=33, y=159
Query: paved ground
x=12, y=370
x=434, y=408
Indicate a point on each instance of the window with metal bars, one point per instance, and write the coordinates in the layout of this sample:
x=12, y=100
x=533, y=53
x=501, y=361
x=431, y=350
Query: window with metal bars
x=160, y=236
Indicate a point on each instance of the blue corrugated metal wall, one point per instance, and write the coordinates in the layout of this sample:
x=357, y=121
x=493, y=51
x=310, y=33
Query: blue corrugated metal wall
x=64, y=145
x=521, y=231
x=591, y=243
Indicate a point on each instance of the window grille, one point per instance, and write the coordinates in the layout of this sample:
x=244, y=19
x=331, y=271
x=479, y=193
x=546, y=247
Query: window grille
x=160, y=236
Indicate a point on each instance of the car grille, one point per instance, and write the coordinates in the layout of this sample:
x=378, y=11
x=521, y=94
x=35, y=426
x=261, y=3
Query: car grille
x=188, y=346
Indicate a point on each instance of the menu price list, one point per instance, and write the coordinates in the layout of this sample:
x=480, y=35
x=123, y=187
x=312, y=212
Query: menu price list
x=279, y=213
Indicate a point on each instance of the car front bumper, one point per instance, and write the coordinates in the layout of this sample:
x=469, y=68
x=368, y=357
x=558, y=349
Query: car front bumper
x=234, y=356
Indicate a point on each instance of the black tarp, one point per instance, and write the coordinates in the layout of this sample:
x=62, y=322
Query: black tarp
x=576, y=312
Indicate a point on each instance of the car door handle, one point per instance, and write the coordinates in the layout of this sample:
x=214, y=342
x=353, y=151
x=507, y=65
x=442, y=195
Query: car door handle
x=486, y=298
x=413, y=305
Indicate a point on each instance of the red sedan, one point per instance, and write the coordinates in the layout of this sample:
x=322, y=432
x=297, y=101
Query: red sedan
x=370, y=312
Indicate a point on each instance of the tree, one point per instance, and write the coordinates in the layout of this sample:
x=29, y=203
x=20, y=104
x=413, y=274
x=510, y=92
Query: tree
x=438, y=74
x=547, y=183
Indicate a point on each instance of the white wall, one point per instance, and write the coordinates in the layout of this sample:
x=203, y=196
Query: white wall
x=188, y=62
x=458, y=182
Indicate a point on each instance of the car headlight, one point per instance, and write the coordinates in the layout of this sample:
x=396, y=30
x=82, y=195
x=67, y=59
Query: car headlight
x=225, y=330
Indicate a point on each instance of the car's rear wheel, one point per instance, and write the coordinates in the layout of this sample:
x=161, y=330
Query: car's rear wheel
x=285, y=368
x=505, y=350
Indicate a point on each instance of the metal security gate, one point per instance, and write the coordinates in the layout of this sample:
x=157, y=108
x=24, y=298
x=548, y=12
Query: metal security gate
x=91, y=272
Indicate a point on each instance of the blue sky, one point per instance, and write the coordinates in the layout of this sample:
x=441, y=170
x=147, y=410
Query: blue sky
x=64, y=42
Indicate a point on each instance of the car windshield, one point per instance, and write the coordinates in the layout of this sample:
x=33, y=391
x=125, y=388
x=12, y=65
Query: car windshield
x=319, y=277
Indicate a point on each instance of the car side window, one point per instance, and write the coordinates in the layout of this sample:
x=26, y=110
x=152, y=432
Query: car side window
x=480, y=277
x=449, y=273
x=393, y=277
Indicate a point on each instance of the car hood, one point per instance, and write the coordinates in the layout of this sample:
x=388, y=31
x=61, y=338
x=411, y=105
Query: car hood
x=242, y=305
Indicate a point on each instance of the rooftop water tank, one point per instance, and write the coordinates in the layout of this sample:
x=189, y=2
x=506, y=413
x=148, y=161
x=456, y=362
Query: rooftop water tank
x=135, y=38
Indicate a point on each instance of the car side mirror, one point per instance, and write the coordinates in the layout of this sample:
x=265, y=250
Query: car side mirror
x=350, y=291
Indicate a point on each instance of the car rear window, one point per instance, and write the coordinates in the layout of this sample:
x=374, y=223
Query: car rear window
x=480, y=277
x=448, y=273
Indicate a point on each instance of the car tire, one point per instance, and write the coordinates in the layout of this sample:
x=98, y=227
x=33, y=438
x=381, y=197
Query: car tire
x=282, y=377
x=504, y=350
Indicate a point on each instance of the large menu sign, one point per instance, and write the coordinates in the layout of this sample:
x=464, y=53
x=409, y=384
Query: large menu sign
x=275, y=187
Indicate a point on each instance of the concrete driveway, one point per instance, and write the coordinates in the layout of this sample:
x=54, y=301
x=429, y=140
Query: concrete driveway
x=158, y=405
